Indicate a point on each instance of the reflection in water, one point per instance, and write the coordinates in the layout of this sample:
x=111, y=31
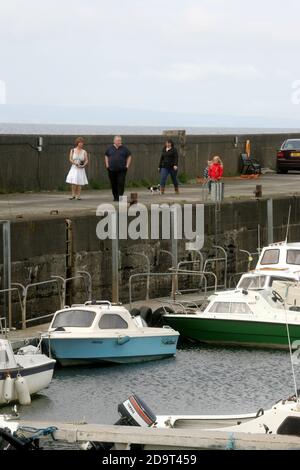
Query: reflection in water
x=199, y=380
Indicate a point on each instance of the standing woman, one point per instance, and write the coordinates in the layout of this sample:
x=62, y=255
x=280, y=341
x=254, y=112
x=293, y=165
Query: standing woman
x=77, y=176
x=168, y=165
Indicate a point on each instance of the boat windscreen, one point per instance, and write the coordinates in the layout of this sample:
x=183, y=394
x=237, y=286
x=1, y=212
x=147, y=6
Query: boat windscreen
x=293, y=257
x=74, y=318
x=252, y=282
x=270, y=256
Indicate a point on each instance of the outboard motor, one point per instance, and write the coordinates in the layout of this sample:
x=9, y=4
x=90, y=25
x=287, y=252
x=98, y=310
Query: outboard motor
x=133, y=412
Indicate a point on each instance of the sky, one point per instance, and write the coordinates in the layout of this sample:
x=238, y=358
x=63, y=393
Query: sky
x=183, y=56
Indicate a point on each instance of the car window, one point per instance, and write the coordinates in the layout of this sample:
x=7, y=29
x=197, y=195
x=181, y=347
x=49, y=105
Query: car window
x=74, y=318
x=292, y=145
x=112, y=321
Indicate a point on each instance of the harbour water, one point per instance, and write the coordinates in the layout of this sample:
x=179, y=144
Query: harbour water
x=200, y=380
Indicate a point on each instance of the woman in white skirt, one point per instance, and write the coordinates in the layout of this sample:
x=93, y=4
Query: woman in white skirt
x=77, y=176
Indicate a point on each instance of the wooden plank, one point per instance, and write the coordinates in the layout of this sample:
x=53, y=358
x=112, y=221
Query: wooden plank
x=167, y=438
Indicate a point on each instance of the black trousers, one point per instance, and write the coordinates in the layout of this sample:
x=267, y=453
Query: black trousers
x=117, y=181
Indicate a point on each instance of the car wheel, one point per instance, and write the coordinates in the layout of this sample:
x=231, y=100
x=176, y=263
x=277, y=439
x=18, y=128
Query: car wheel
x=282, y=171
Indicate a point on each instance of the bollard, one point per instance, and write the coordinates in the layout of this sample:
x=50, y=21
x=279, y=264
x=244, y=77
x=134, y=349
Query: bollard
x=258, y=190
x=133, y=198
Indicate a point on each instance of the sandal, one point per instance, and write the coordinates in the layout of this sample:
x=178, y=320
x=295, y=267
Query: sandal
x=73, y=197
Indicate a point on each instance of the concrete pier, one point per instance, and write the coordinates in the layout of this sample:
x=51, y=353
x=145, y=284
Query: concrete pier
x=157, y=439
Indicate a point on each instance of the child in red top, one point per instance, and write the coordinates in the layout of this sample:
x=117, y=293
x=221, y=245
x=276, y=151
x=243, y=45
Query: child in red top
x=215, y=171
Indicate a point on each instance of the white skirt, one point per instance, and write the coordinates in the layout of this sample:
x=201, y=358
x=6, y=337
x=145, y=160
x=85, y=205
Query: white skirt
x=77, y=176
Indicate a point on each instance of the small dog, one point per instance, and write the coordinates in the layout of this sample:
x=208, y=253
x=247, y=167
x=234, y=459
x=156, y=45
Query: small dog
x=154, y=189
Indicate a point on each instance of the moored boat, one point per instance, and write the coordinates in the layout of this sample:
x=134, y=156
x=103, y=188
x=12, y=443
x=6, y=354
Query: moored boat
x=283, y=419
x=98, y=332
x=256, y=313
x=24, y=374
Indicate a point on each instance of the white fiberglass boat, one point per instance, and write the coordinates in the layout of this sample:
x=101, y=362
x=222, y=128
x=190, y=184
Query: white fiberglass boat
x=23, y=374
x=283, y=418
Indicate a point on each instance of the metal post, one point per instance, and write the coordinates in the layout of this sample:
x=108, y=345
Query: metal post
x=270, y=221
x=174, y=249
x=7, y=270
x=115, y=256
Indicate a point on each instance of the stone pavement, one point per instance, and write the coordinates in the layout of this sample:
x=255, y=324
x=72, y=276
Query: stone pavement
x=28, y=206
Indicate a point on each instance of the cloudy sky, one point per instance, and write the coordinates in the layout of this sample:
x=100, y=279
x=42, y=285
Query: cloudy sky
x=208, y=56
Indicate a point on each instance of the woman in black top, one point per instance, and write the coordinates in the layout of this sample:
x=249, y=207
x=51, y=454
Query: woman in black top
x=168, y=165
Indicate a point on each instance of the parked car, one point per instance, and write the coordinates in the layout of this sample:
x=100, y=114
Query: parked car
x=288, y=156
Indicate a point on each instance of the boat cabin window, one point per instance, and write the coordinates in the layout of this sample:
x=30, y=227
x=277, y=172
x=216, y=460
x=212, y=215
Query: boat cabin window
x=290, y=426
x=239, y=307
x=252, y=282
x=293, y=257
x=230, y=307
x=281, y=279
x=110, y=321
x=220, y=307
x=270, y=257
x=74, y=318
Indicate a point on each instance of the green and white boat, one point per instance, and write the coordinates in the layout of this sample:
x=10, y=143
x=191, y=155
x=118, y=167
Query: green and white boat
x=258, y=313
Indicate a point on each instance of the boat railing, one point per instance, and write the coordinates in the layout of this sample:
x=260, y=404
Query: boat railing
x=98, y=302
x=173, y=273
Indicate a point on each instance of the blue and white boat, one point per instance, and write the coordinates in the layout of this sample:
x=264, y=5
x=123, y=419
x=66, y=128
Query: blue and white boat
x=102, y=332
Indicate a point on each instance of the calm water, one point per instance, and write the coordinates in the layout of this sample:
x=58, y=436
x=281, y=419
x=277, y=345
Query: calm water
x=13, y=128
x=199, y=380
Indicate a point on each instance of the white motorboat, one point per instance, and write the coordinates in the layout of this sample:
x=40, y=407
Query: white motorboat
x=283, y=418
x=257, y=312
x=99, y=331
x=277, y=262
x=23, y=374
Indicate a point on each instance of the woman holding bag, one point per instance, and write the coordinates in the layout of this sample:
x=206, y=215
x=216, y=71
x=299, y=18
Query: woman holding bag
x=77, y=177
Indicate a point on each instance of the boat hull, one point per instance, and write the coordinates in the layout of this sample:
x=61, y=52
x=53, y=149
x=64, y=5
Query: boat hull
x=38, y=377
x=76, y=351
x=234, y=332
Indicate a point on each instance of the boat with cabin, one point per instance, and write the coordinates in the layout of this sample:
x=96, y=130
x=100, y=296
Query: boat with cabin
x=101, y=332
x=257, y=313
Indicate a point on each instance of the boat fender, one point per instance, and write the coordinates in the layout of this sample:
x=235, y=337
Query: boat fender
x=157, y=319
x=8, y=389
x=260, y=412
x=135, y=312
x=146, y=313
x=122, y=339
x=22, y=390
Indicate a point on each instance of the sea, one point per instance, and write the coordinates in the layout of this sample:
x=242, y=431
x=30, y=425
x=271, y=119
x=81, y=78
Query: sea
x=199, y=380
x=62, y=129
